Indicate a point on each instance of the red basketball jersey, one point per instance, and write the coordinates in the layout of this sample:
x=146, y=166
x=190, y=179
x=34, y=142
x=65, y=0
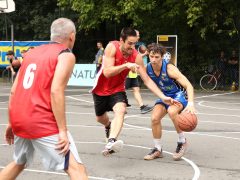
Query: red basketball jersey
x=108, y=86
x=30, y=112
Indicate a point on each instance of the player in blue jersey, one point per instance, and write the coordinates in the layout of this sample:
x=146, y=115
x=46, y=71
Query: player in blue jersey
x=175, y=85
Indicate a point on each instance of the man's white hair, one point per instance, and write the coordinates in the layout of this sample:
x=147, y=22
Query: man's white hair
x=61, y=28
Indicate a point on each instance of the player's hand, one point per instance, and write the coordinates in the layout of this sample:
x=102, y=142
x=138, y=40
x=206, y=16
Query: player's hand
x=171, y=101
x=9, y=136
x=132, y=66
x=190, y=108
x=63, y=143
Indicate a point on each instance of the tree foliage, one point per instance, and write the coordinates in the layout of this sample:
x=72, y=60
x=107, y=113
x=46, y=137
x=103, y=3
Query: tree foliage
x=220, y=16
x=204, y=27
x=92, y=13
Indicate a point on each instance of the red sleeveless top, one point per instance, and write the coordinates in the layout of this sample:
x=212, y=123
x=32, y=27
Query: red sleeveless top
x=108, y=86
x=30, y=112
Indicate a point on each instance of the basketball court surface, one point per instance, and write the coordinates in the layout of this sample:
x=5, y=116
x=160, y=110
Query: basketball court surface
x=213, y=147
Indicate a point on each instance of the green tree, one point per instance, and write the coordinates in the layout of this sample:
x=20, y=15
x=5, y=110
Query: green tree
x=220, y=16
x=92, y=13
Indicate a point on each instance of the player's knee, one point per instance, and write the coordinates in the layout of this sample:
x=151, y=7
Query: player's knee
x=172, y=113
x=121, y=110
x=155, y=120
x=101, y=119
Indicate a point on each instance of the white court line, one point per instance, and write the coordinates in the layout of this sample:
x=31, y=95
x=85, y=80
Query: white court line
x=213, y=95
x=57, y=173
x=221, y=102
x=218, y=114
x=4, y=102
x=193, y=133
x=90, y=126
x=214, y=107
x=196, y=170
x=194, y=166
x=5, y=94
x=85, y=94
x=215, y=122
x=79, y=99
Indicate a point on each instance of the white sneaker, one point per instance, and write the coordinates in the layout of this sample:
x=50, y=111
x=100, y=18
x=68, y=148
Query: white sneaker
x=112, y=147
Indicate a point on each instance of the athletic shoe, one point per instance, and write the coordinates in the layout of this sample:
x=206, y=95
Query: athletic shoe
x=180, y=150
x=112, y=147
x=145, y=109
x=154, y=154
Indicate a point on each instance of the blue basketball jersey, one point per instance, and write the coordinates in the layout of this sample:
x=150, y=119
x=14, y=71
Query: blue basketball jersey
x=168, y=86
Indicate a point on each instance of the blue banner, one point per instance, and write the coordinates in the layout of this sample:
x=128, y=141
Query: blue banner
x=5, y=46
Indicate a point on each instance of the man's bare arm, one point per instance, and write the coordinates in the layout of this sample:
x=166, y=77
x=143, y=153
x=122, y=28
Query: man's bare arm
x=174, y=73
x=62, y=73
x=109, y=69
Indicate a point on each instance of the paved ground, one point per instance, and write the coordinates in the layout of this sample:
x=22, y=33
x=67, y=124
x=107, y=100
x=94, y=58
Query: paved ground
x=213, y=152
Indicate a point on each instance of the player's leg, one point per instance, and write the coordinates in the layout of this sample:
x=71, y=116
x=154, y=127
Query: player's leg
x=23, y=154
x=104, y=119
x=11, y=171
x=75, y=170
x=101, y=108
x=158, y=113
x=117, y=122
x=173, y=112
x=118, y=102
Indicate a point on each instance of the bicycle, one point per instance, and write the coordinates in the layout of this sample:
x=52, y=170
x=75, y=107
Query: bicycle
x=209, y=81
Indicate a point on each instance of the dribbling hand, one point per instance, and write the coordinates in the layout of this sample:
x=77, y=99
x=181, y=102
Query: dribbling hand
x=171, y=101
x=132, y=66
x=190, y=108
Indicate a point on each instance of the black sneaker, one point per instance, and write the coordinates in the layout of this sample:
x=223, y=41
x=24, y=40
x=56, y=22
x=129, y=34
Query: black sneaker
x=145, y=109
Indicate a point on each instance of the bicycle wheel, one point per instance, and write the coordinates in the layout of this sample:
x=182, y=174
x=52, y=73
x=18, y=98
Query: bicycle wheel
x=208, y=82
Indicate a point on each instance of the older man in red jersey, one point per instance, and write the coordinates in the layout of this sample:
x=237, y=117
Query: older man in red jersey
x=37, y=107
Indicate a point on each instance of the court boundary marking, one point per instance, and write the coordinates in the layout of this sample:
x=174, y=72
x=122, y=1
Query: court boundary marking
x=196, y=171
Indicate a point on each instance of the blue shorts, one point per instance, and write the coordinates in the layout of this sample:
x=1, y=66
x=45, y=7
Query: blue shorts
x=180, y=97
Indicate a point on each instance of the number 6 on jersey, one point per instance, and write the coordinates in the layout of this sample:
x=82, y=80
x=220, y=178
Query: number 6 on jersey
x=29, y=76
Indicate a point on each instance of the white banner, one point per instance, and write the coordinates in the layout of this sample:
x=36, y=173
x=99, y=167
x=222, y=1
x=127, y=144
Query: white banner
x=83, y=75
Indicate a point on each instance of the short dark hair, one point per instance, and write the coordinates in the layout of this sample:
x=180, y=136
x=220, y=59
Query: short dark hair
x=10, y=52
x=127, y=31
x=156, y=48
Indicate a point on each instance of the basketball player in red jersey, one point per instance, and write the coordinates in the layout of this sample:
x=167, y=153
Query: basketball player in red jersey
x=37, y=119
x=109, y=91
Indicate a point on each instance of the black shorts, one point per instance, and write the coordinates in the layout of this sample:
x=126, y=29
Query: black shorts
x=103, y=104
x=131, y=82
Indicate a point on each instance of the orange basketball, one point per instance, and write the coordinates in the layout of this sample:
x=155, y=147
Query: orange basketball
x=16, y=63
x=187, y=121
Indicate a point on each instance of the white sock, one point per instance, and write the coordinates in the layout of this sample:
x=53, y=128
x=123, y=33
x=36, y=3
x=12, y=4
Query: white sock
x=181, y=137
x=157, y=144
